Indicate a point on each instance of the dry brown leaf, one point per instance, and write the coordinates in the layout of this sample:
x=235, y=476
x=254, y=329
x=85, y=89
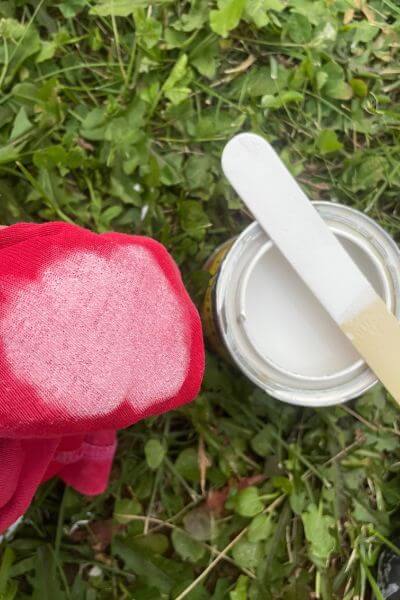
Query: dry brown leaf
x=368, y=14
x=101, y=533
x=322, y=186
x=243, y=66
x=204, y=463
x=245, y=482
x=98, y=533
x=348, y=16
x=84, y=144
x=216, y=498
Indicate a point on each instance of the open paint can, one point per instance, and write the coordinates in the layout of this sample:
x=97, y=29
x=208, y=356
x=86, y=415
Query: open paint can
x=259, y=313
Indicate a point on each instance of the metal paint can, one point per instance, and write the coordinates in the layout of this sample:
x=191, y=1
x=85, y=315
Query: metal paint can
x=259, y=314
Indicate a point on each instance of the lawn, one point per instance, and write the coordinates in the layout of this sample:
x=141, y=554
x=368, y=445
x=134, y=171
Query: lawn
x=113, y=115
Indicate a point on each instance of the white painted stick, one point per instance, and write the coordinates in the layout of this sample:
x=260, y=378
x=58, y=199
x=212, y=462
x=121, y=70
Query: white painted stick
x=286, y=214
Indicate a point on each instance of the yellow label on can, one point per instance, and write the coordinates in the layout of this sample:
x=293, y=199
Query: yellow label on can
x=209, y=317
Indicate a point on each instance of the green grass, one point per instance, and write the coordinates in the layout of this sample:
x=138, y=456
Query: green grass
x=113, y=116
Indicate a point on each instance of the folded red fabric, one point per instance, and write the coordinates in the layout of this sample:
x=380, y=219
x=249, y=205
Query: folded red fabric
x=97, y=332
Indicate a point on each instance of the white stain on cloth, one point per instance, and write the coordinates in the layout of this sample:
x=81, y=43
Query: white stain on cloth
x=94, y=331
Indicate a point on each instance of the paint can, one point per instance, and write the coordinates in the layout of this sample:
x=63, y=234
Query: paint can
x=259, y=313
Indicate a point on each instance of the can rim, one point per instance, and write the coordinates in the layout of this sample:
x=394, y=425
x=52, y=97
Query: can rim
x=352, y=386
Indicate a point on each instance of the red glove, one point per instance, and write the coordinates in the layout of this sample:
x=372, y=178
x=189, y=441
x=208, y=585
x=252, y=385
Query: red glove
x=97, y=332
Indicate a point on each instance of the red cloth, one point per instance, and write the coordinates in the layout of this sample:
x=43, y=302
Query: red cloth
x=97, y=332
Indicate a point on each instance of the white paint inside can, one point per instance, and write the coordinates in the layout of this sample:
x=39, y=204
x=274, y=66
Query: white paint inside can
x=286, y=325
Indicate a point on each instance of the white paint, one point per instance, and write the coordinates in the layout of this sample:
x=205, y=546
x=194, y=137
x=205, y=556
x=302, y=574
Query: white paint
x=93, y=331
x=287, y=325
x=286, y=214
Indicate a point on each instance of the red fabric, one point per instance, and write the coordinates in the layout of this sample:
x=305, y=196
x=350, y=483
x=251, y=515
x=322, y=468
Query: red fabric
x=96, y=333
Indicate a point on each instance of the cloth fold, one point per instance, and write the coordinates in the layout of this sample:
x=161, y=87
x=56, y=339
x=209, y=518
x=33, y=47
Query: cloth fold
x=97, y=331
